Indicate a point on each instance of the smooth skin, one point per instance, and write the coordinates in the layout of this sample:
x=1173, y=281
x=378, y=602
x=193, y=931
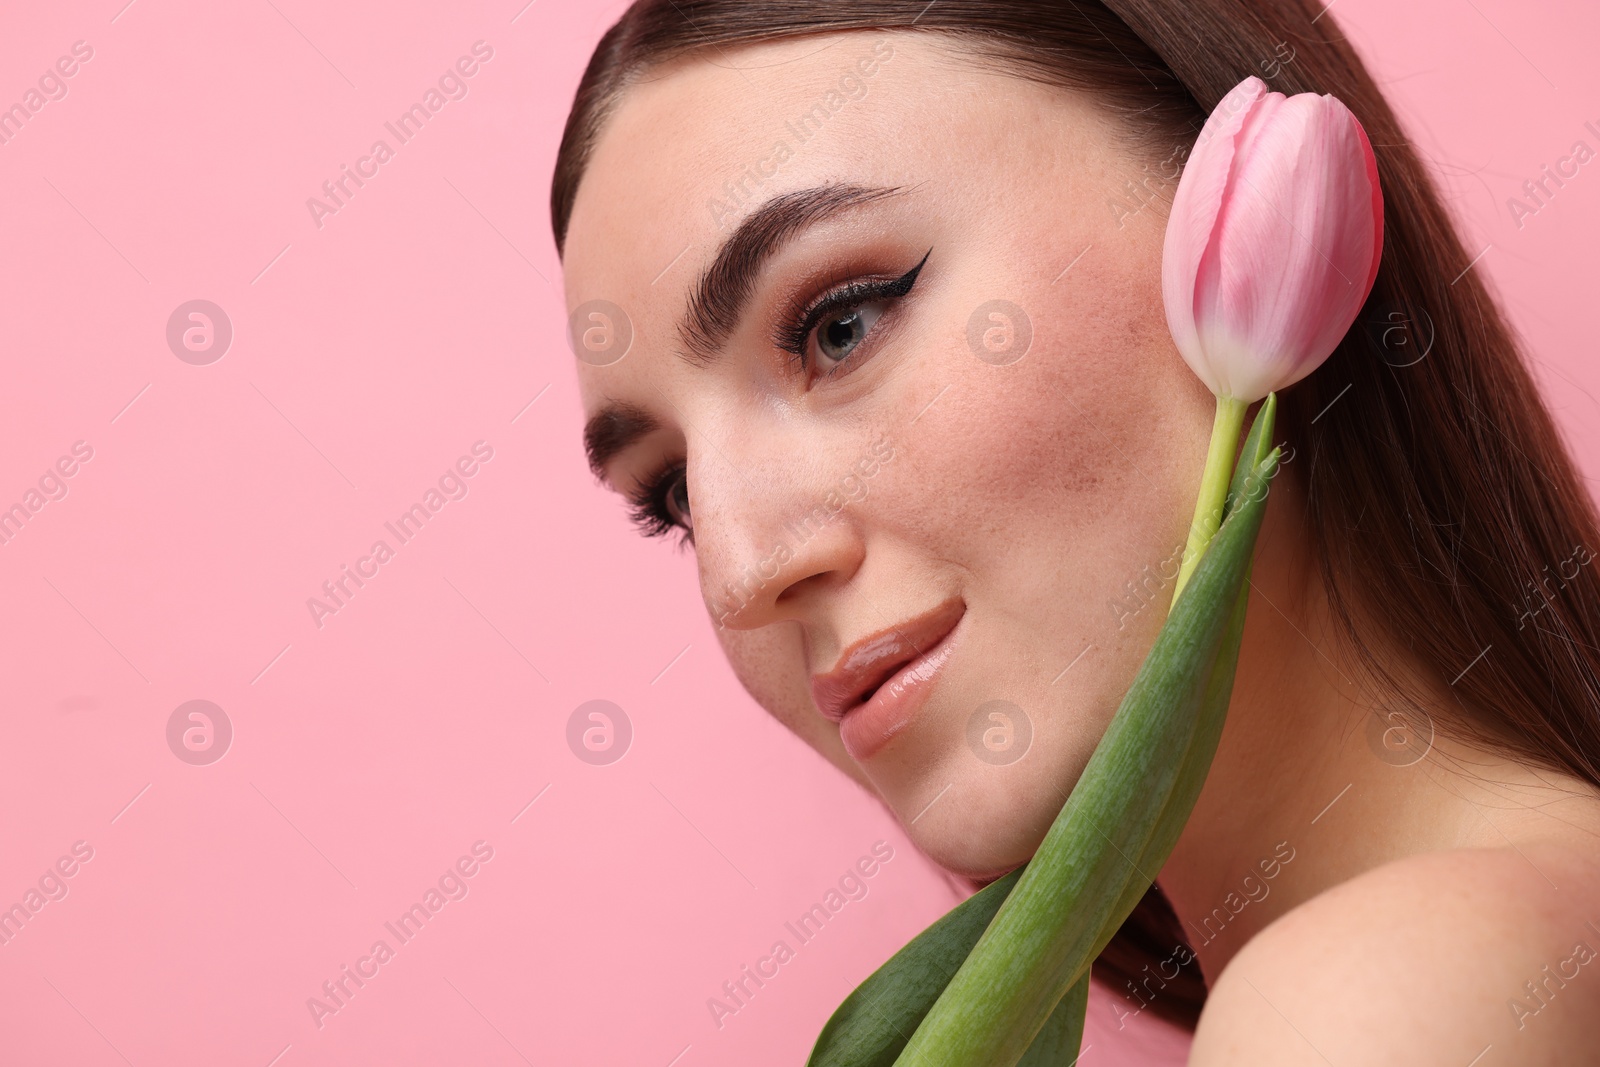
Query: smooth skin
x=1418, y=900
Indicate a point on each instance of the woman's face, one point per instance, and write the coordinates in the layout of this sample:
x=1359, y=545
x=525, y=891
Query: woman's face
x=898, y=352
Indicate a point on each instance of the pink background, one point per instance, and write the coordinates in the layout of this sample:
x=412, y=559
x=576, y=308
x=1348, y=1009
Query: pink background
x=371, y=752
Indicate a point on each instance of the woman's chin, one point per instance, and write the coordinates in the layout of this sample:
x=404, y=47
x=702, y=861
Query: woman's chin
x=975, y=841
x=973, y=861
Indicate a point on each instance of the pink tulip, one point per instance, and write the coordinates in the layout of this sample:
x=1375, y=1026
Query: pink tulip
x=1274, y=239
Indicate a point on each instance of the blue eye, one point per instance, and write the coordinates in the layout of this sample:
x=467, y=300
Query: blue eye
x=838, y=335
x=841, y=319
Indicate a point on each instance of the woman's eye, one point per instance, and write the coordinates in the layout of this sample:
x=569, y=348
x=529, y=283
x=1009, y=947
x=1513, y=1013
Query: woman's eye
x=676, y=502
x=828, y=332
x=661, y=504
x=839, y=333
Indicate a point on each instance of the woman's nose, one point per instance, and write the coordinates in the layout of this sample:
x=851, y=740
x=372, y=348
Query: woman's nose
x=772, y=536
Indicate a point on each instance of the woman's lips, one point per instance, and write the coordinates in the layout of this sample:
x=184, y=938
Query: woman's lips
x=894, y=670
x=869, y=726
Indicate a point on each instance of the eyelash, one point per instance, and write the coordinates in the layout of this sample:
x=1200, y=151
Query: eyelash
x=647, y=506
x=801, y=319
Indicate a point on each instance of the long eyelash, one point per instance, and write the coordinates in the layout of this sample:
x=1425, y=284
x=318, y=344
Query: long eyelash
x=647, y=505
x=800, y=321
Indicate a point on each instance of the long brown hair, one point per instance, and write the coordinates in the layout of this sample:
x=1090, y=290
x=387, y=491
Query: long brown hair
x=1442, y=505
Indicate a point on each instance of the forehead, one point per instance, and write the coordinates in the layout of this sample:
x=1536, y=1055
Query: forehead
x=702, y=141
x=694, y=145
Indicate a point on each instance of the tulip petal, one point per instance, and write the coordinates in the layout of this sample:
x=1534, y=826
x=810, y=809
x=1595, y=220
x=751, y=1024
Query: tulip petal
x=1195, y=207
x=1377, y=204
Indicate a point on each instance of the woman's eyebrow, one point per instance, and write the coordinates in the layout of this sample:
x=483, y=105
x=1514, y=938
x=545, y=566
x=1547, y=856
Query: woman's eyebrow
x=720, y=295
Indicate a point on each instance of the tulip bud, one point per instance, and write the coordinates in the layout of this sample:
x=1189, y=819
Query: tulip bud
x=1274, y=239
x=1271, y=249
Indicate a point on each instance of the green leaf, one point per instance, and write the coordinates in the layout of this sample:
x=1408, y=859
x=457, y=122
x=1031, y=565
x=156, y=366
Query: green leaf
x=1056, y=1045
x=1203, y=746
x=1191, y=777
x=1256, y=446
x=876, y=1020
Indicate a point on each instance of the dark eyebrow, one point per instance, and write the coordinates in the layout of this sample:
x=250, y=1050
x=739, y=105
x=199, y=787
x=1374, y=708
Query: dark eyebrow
x=718, y=299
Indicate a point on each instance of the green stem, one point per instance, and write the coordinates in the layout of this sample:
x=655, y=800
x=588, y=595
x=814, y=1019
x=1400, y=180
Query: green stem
x=1213, y=486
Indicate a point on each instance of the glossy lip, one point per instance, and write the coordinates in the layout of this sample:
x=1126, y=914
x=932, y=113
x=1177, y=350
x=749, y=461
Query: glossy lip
x=882, y=679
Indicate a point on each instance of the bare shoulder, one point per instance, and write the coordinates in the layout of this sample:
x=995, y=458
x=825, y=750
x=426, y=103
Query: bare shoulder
x=1484, y=956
